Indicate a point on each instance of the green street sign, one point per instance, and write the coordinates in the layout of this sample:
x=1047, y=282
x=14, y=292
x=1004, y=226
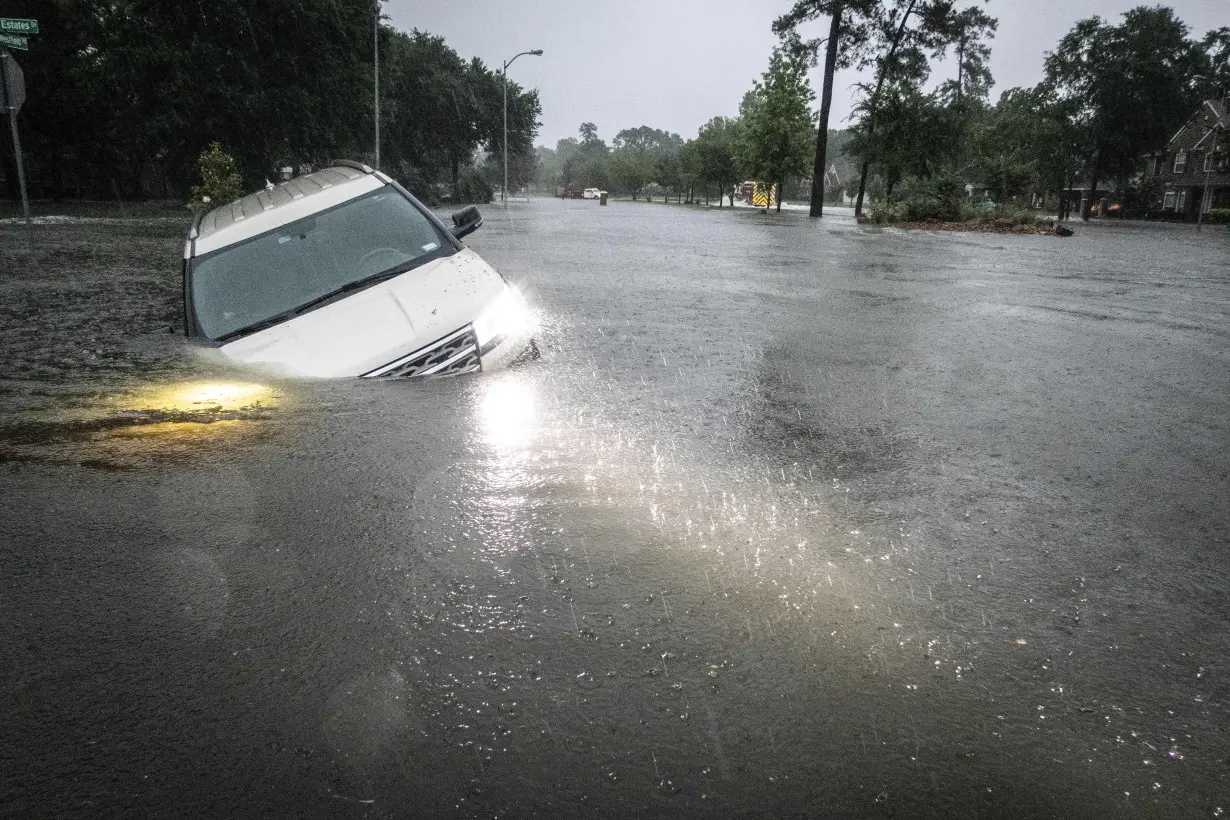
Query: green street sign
x=14, y=41
x=15, y=25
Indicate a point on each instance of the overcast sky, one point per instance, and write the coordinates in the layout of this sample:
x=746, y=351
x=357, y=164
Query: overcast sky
x=674, y=64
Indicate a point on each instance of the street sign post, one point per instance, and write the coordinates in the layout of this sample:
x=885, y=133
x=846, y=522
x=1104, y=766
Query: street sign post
x=12, y=95
x=14, y=41
x=15, y=25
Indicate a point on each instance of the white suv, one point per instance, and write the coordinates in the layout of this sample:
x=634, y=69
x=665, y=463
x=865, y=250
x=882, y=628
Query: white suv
x=342, y=272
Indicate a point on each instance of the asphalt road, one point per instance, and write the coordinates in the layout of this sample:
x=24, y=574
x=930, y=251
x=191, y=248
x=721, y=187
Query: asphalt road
x=791, y=519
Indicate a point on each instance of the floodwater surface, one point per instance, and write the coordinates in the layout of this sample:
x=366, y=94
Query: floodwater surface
x=792, y=518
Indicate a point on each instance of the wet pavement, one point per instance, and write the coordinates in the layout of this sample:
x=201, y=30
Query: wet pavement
x=791, y=519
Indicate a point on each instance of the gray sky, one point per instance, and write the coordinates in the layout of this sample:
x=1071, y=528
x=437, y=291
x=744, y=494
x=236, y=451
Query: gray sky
x=674, y=64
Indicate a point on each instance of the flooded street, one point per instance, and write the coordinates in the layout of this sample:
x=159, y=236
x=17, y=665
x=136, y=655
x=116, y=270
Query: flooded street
x=791, y=519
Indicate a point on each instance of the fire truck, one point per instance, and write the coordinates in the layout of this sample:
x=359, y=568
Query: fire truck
x=758, y=193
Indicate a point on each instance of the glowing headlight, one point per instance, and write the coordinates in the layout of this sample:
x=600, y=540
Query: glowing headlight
x=507, y=316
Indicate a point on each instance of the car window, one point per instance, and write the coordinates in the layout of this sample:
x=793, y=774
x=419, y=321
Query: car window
x=276, y=273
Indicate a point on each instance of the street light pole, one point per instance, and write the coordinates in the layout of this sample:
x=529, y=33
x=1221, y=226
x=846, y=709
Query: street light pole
x=504, y=191
x=1206, y=200
x=376, y=52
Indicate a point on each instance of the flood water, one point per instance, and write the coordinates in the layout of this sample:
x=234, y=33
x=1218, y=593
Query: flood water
x=791, y=519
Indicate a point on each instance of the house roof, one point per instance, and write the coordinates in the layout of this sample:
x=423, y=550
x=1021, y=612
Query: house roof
x=1213, y=115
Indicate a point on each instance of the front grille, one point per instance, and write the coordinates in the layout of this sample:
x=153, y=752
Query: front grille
x=456, y=353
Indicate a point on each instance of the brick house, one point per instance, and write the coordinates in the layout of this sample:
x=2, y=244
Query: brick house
x=1193, y=171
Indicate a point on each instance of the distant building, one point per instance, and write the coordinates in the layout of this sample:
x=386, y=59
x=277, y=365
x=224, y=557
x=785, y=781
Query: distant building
x=1192, y=171
x=1076, y=199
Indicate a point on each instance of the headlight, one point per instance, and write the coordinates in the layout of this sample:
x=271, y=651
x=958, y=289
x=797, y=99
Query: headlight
x=507, y=316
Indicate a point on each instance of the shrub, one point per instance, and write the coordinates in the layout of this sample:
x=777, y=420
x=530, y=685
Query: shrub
x=883, y=213
x=1218, y=216
x=474, y=187
x=220, y=181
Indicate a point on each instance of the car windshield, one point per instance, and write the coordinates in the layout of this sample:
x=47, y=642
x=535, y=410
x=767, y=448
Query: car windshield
x=267, y=279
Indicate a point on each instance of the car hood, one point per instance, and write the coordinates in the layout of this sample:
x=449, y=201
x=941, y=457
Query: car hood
x=374, y=326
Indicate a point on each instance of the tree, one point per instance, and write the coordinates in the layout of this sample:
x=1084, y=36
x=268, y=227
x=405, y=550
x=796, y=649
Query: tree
x=849, y=35
x=1128, y=85
x=968, y=30
x=916, y=137
x=588, y=166
x=776, y=138
x=716, y=146
x=220, y=182
x=1215, y=65
x=643, y=155
x=128, y=93
x=1029, y=139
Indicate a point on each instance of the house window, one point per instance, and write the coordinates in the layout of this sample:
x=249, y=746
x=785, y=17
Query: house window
x=1168, y=202
x=1180, y=202
x=1180, y=162
x=1208, y=161
x=1159, y=162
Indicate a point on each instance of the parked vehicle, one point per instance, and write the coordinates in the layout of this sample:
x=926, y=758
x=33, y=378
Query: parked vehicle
x=591, y=193
x=342, y=272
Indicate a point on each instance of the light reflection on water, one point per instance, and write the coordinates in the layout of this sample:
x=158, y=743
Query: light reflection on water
x=508, y=414
x=202, y=396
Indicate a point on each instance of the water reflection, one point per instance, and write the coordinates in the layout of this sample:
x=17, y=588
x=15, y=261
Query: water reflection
x=203, y=397
x=508, y=413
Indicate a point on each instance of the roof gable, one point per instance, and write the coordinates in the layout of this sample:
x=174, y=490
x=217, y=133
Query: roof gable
x=1209, y=118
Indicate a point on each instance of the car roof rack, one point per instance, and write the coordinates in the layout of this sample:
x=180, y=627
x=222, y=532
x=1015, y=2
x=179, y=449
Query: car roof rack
x=350, y=163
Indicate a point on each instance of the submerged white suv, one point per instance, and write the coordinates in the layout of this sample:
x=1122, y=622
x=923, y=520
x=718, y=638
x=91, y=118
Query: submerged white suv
x=342, y=272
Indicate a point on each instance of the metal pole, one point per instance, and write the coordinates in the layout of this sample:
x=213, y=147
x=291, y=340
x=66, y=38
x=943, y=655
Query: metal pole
x=504, y=190
x=376, y=51
x=1206, y=198
x=12, y=109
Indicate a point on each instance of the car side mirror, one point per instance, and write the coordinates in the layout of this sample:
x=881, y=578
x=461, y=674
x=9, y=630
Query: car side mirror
x=466, y=221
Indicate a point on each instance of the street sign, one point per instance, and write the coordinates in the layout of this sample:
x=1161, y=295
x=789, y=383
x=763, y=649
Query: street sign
x=14, y=41
x=14, y=25
x=13, y=80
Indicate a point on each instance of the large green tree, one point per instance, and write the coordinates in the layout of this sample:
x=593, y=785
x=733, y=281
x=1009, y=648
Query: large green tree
x=851, y=27
x=1129, y=85
x=589, y=165
x=716, y=148
x=643, y=155
x=776, y=140
x=125, y=94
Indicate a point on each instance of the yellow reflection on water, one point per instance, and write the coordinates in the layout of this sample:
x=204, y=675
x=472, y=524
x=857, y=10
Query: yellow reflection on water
x=203, y=397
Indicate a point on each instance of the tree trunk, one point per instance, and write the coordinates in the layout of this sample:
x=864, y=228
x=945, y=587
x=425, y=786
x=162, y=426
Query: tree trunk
x=862, y=188
x=875, y=98
x=781, y=187
x=960, y=66
x=819, y=168
x=457, y=177
x=1093, y=191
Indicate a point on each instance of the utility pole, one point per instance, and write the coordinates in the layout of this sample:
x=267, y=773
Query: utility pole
x=1206, y=200
x=504, y=191
x=376, y=52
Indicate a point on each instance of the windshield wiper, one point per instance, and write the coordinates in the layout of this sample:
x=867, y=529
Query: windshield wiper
x=248, y=330
x=358, y=284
